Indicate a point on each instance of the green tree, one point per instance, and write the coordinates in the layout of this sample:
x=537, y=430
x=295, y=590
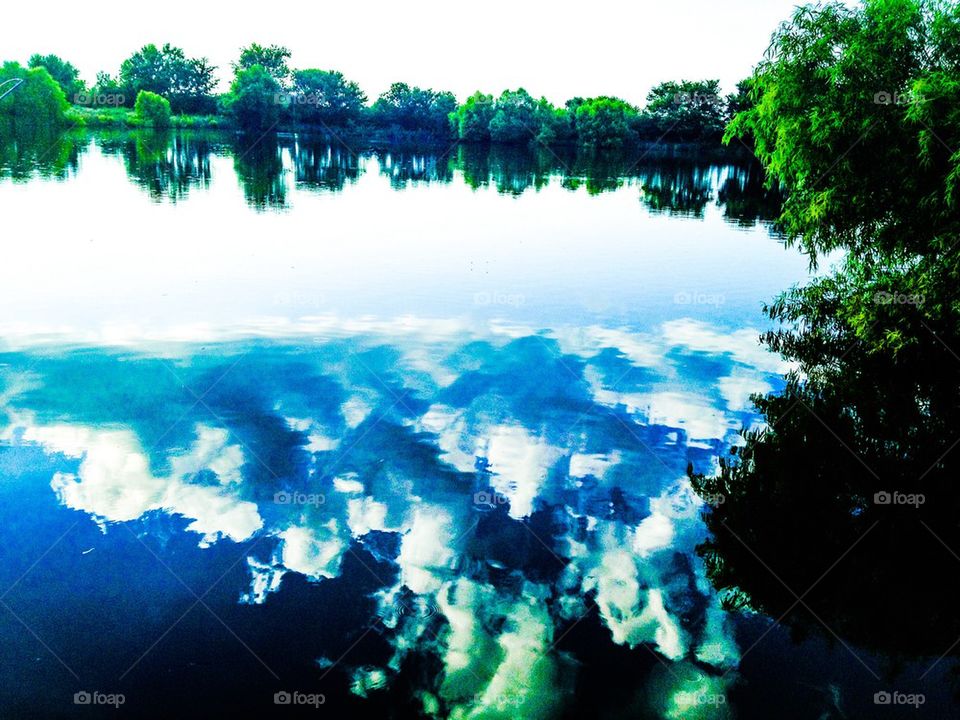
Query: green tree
x=853, y=114
x=195, y=95
x=187, y=82
x=272, y=58
x=415, y=109
x=105, y=84
x=327, y=97
x=37, y=101
x=848, y=96
x=604, y=122
x=472, y=118
x=556, y=124
x=686, y=110
x=254, y=99
x=152, y=110
x=740, y=100
x=514, y=118
x=66, y=75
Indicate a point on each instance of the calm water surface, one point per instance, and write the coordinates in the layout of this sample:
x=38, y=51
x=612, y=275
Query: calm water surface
x=403, y=431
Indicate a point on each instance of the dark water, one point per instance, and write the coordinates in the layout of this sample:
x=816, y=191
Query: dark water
x=404, y=432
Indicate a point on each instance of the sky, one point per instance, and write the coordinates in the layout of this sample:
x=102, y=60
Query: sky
x=557, y=49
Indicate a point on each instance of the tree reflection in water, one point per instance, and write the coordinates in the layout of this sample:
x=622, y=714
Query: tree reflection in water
x=168, y=165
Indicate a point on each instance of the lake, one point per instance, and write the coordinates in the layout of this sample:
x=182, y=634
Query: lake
x=299, y=426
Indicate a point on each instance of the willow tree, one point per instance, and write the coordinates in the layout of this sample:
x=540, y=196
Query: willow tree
x=854, y=114
x=36, y=100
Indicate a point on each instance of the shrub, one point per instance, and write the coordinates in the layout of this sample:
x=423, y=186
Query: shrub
x=152, y=110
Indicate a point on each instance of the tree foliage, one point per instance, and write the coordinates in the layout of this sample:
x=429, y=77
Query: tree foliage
x=847, y=97
x=38, y=100
x=514, y=118
x=686, y=110
x=66, y=75
x=555, y=125
x=186, y=82
x=413, y=108
x=473, y=117
x=604, y=122
x=854, y=114
x=326, y=97
x=272, y=58
x=152, y=110
x=254, y=99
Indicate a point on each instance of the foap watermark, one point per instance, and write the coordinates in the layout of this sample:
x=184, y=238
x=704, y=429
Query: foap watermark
x=498, y=298
x=297, y=98
x=296, y=697
x=489, y=499
x=92, y=99
x=95, y=697
x=914, y=500
x=699, y=298
x=688, y=699
x=714, y=498
x=299, y=300
x=896, y=98
x=298, y=498
x=899, y=698
x=894, y=298
x=697, y=98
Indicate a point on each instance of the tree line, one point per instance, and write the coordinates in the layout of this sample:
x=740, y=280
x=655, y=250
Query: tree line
x=159, y=83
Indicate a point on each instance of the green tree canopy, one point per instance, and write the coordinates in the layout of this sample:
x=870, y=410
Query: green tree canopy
x=473, y=117
x=254, y=99
x=327, y=97
x=37, y=101
x=686, y=110
x=848, y=96
x=604, y=122
x=556, y=125
x=854, y=114
x=514, y=118
x=413, y=108
x=152, y=110
x=106, y=84
x=186, y=82
x=66, y=75
x=272, y=58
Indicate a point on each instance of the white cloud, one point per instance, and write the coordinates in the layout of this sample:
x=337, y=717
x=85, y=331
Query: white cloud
x=426, y=558
x=114, y=482
x=519, y=462
x=596, y=464
x=313, y=551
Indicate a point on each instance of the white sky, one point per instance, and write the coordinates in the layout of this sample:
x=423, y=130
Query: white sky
x=559, y=49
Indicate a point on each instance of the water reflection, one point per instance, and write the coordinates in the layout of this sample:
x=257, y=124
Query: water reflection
x=497, y=492
x=681, y=191
x=411, y=167
x=39, y=151
x=745, y=198
x=462, y=517
x=167, y=165
x=322, y=166
x=859, y=446
x=458, y=525
x=260, y=169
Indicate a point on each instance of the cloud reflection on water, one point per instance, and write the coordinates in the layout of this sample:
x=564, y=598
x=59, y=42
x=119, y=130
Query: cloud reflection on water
x=517, y=482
